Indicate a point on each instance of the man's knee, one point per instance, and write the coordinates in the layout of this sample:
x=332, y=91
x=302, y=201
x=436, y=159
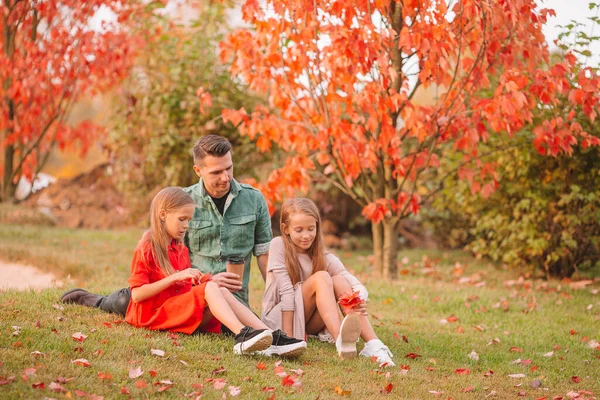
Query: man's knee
x=122, y=302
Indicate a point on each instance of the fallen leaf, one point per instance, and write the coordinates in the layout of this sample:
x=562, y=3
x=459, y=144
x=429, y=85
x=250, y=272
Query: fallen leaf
x=184, y=363
x=124, y=390
x=135, y=372
x=280, y=371
x=81, y=361
x=412, y=355
x=549, y=354
x=218, y=383
x=140, y=384
x=467, y=389
x=298, y=371
x=152, y=373
x=38, y=385
x=261, y=366
x=218, y=371
x=387, y=388
x=489, y=373
x=157, y=352
x=104, y=375
x=234, y=390
x=55, y=387
x=576, y=379
x=81, y=393
x=288, y=381
x=267, y=389
x=341, y=392
x=37, y=354
x=516, y=376
x=462, y=371
x=435, y=392
x=452, y=318
x=79, y=337
x=473, y=355
x=516, y=349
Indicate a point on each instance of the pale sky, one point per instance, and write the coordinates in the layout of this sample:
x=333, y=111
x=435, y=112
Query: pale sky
x=567, y=10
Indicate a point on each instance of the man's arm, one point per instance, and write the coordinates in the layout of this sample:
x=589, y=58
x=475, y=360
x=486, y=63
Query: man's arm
x=262, y=261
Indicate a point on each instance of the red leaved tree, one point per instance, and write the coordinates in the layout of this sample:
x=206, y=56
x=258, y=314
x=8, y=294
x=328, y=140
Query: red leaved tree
x=51, y=54
x=341, y=77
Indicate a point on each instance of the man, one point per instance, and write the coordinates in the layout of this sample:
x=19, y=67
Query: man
x=231, y=220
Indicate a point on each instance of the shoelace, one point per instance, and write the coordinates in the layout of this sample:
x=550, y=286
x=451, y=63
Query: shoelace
x=243, y=340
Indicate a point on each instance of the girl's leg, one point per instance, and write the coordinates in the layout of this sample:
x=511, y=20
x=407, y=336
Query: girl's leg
x=320, y=306
x=341, y=286
x=243, y=313
x=220, y=308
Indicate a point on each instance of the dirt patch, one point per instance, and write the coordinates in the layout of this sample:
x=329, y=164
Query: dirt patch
x=89, y=200
x=21, y=277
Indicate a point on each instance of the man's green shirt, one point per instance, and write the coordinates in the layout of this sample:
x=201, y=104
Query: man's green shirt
x=244, y=228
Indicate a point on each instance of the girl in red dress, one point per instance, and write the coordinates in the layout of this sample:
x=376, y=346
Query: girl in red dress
x=166, y=294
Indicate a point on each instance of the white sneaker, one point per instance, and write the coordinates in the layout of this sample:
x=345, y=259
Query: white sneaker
x=349, y=333
x=325, y=336
x=376, y=348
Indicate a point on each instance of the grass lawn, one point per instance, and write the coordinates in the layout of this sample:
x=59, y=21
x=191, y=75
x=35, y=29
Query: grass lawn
x=446, y=307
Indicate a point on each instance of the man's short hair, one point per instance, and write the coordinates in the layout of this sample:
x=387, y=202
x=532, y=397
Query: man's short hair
x=210, y=145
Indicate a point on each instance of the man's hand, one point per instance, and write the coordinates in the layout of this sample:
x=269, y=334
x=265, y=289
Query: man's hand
x=228, y=280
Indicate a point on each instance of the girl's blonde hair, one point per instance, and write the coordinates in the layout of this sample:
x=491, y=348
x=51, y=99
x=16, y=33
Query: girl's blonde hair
x=168, y=199
x=316, y=251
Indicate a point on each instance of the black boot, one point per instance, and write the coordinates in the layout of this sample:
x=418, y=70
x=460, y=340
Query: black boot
x=83, y=297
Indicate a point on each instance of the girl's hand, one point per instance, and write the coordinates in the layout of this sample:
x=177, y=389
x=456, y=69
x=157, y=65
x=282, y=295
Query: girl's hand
x=189, y=274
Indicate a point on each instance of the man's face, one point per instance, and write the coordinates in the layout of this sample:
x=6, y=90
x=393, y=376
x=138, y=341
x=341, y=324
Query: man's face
x=217, y=173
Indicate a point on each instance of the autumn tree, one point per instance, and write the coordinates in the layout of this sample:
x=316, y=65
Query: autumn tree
x=52, y=53
x=341, y=79
x=173, y=96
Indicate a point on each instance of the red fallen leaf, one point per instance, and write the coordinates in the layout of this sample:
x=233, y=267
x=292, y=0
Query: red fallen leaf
x=198, y=386
x=279, y=371
x=104, y=341
x=267, y=389
x=38, y=385
x=516, y=349
x=173, y=335
x=526, y=361
x=205, y=278
x=62, y=380
x=462, y=371
x=98, y=352
x=163, y=388
x=404, y=338
x=460, y=330
x=78, y=349
x=430, y=368
x=541, y=398
x=534, y=368
x=288, y=381
x=374, y=359
x=576, y=379
x=412, y=355
x=219, y=371
x=152, y=373
x=175, y=343
x=271, y=397
x=489, y=373
x=350, y=301
x=585, y=392
x=6, y=381
x=452, y=318
x=140, y=384
x=573, y=332
x=556, y=347
x=81, y=393
x=79, y=337
x=81, y=361
x=107, y=324
x=387, y=389
x=17, y=344
x=522, y=394
x=396, y=336
x=467, y=389
x=104, y=375
x=406, y=367
x=261, y=366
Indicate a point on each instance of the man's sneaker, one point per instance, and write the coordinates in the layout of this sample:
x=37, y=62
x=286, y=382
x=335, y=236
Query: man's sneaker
x=284, y=346
x=376, y=348
x=250, y=340
x=80, y=296
x=349, y=333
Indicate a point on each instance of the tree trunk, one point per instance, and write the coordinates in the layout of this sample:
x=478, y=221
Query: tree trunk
x=8, y=188
x=390, y=249
x=377, y=231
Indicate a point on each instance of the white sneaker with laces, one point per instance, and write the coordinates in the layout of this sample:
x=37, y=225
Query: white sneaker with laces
x=377, y=349
x=325, y=336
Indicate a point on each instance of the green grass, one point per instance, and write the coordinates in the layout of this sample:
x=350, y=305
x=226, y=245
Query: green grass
x=412, y=306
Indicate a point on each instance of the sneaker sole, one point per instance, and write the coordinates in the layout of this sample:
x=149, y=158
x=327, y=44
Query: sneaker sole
x=259, y=342
x=291, y=350
x=349, y=333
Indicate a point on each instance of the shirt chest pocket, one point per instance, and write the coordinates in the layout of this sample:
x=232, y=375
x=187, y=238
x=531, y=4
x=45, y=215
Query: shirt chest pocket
x=203, y=237
x=242, y=230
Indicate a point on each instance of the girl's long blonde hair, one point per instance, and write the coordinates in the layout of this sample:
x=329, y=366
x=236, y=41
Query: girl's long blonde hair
x=316, y=251
x=168, y=199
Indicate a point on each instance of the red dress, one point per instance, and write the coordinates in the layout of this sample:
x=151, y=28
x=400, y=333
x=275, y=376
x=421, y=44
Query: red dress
x=179, y=307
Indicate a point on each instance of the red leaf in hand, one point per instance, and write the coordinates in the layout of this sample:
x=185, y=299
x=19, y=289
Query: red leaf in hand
x=205, y=278
x=350, y=301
